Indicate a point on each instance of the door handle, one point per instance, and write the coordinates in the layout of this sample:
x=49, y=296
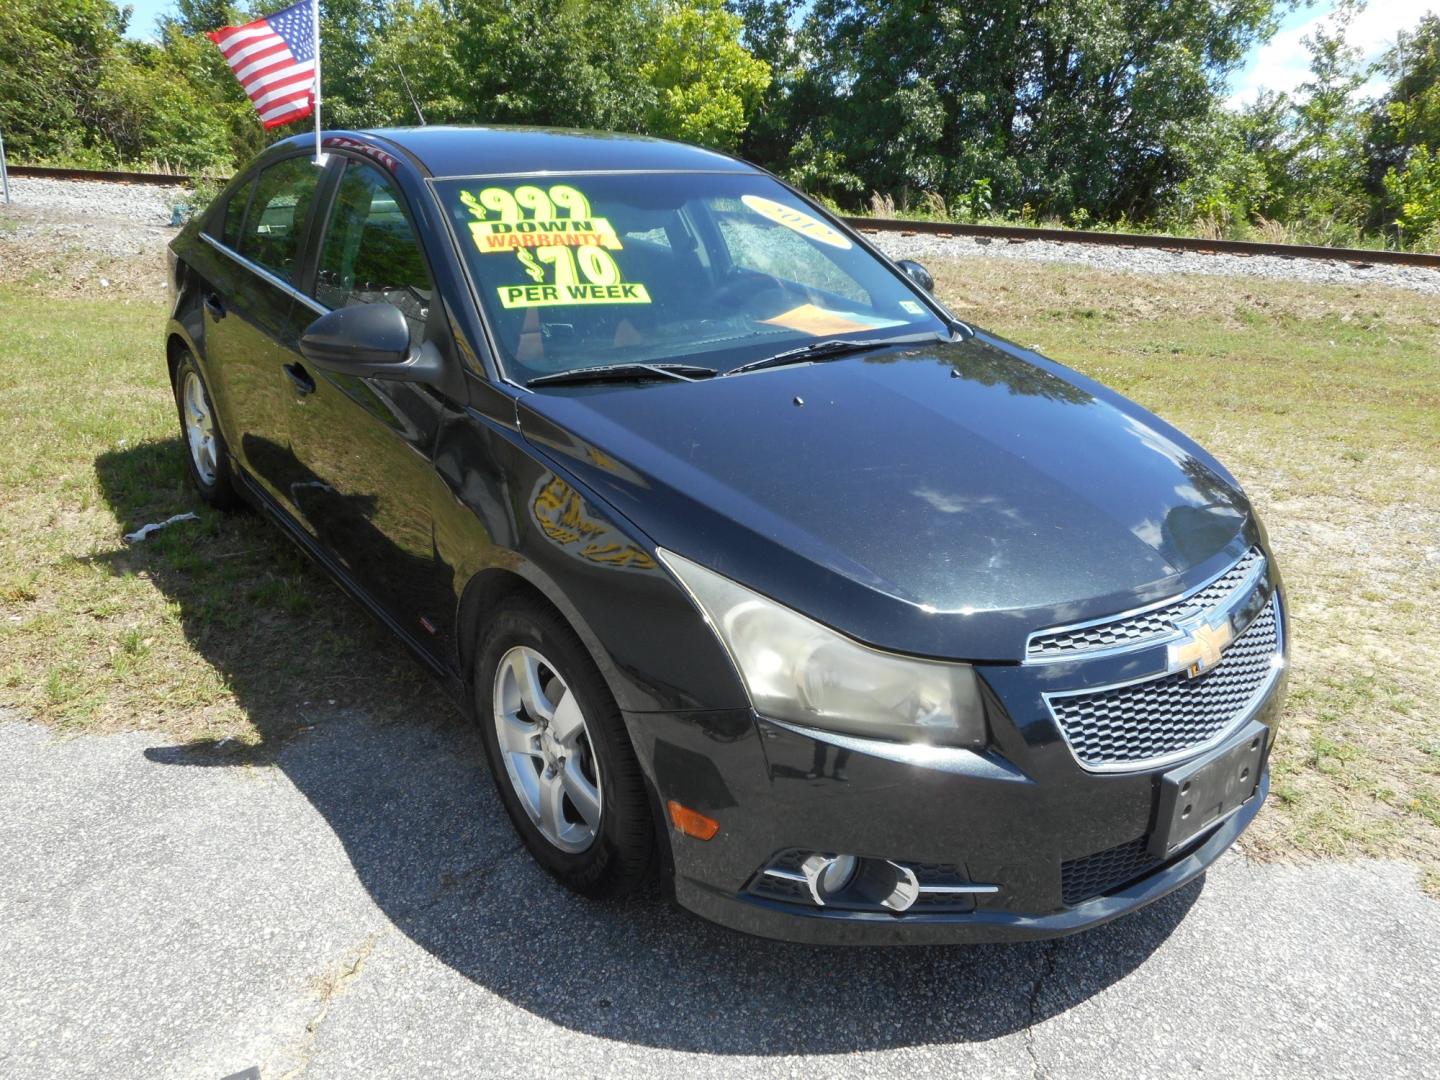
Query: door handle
x=301, y=378
x=213, y=305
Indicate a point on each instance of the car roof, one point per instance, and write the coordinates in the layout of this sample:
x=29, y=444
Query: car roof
x=478, y=151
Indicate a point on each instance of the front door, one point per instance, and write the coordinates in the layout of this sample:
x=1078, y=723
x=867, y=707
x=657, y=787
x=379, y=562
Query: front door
x=365, y=446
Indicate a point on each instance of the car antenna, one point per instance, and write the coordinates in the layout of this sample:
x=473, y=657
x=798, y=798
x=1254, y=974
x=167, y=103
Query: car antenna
x=410, y=93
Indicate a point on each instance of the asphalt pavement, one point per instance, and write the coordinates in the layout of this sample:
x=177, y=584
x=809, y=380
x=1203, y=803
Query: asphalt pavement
x=354, y=903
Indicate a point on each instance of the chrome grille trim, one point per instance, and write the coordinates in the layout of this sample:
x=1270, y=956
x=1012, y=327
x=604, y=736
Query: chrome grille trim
x=1153, y=624
x=1155, y=720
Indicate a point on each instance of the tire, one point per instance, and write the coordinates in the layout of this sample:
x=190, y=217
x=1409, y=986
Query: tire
x=618, y=853
x=207, y=457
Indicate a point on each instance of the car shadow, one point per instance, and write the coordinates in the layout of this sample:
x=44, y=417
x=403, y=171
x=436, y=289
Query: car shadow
x=404, y=787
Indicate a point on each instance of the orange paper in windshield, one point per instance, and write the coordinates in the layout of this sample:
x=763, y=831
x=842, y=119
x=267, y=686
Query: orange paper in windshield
x=809, y=319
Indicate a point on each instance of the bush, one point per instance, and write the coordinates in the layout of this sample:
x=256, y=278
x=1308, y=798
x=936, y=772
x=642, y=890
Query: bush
x=1414, y=195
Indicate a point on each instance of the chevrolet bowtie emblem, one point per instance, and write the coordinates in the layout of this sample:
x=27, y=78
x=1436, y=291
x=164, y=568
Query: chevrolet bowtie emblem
x=1200, y=648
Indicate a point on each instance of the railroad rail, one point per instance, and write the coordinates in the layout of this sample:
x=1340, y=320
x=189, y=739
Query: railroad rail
x=1021, y=234
x=1015, y=234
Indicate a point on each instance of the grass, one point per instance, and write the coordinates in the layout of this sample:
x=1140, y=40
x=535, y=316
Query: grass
x=1325, y=401
x=211, y=628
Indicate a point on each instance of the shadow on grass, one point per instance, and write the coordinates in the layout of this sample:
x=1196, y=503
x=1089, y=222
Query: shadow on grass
x=283, y=636
x=428, y=838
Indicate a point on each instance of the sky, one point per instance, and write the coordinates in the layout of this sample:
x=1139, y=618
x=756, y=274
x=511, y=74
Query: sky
x=142, y=19
x=1283, y=63
x=1279, y=65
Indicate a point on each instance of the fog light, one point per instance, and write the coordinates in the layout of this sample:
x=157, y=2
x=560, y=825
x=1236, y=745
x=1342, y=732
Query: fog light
x=828, y=875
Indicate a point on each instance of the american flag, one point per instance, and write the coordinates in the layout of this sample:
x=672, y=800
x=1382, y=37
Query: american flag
x=274, y=59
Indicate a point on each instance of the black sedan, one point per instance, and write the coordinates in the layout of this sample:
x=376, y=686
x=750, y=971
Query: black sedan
x=757, y=567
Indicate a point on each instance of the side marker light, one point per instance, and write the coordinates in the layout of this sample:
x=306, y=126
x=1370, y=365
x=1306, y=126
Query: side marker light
x=692, y=822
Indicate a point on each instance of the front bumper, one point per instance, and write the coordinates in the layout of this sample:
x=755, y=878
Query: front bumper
x=1017, y=816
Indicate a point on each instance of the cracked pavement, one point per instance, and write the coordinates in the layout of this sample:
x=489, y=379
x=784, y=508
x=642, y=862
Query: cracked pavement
x=360, y=906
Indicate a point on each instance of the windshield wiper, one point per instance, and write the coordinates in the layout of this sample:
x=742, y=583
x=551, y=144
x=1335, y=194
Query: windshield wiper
x=832, y=349
x=624, y=373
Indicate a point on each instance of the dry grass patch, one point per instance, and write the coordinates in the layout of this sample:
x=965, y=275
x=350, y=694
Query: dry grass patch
x=1325, y=402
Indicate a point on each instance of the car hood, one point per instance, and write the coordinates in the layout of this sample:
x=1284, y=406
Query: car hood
x=943, y=500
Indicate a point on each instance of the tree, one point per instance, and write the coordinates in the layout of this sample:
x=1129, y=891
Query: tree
x=414, y=75
x=560, y=62
x=706, y=84
x=1063, y=106
x=1327, y=162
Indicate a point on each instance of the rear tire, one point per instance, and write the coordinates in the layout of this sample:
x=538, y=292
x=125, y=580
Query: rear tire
x=207, y=457
x=559, y=753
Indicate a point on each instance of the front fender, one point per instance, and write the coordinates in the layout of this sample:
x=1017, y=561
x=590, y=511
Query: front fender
x=518, y=512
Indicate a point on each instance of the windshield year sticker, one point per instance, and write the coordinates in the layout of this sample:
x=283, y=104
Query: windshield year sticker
x=811, y=228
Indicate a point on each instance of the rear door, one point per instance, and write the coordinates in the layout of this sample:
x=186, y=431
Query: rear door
x=255, y=320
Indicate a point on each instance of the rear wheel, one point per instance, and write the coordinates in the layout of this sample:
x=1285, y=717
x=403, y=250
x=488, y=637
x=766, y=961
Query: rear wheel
x=559, y=753
x=205, y=450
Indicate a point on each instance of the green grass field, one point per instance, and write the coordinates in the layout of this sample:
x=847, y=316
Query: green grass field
x=1325, y=402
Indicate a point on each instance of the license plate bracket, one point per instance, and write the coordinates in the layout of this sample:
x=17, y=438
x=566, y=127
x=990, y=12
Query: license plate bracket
x=1196, y=796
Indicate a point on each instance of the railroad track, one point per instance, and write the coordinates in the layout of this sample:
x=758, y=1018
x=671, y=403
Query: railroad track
x=1361, y=257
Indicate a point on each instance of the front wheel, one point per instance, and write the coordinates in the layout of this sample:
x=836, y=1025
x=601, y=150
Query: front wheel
x=559, y=753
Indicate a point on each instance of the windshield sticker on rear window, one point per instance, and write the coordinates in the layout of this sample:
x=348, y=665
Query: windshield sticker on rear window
x=796, y=221
x=557, y=243
x=818, y=321
x=532, y=217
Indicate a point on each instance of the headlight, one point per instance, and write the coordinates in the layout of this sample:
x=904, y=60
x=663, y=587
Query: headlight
x=797, y=670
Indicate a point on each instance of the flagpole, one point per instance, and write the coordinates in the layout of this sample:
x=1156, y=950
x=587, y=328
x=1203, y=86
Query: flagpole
x=315, y=27
x=4, y=175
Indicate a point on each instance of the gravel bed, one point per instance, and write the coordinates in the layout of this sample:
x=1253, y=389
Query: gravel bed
x=64, y=200
x=1148, y=261
x=75, y=237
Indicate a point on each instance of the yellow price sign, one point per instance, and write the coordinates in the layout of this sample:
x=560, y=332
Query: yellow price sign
x=531, y=217
x=587, y=276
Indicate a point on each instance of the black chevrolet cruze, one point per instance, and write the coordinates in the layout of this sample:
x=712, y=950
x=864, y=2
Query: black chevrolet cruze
x=756, y=566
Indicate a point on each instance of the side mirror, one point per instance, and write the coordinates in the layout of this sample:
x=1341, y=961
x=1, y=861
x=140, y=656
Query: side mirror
x=918, y=274
x=371, y=341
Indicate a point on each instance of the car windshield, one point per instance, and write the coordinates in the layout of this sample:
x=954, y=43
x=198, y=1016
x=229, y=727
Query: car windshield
x=709, y=269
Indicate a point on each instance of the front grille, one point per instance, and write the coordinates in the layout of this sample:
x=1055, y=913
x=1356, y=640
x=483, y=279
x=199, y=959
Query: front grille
x=1130, y=724
x=1095, y=875
x=1145, y=626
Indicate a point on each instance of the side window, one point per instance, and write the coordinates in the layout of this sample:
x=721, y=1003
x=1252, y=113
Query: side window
x=370, y=254
x=235, y=214
x=276, y=222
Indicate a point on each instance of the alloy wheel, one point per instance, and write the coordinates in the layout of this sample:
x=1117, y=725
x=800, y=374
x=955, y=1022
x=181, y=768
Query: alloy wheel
x=546, y=747
x=199, y=427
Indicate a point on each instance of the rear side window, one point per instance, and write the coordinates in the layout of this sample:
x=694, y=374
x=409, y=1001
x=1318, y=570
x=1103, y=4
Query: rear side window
x=370, y=254
x=276, y=222
x=235, y=214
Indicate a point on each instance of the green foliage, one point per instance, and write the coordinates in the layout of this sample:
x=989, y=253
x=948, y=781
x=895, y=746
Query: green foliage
x=1061, y=105
x=560, y=62
x=72, y=89
x=704, y=80
x=1414, y=195
x=1100, y=113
